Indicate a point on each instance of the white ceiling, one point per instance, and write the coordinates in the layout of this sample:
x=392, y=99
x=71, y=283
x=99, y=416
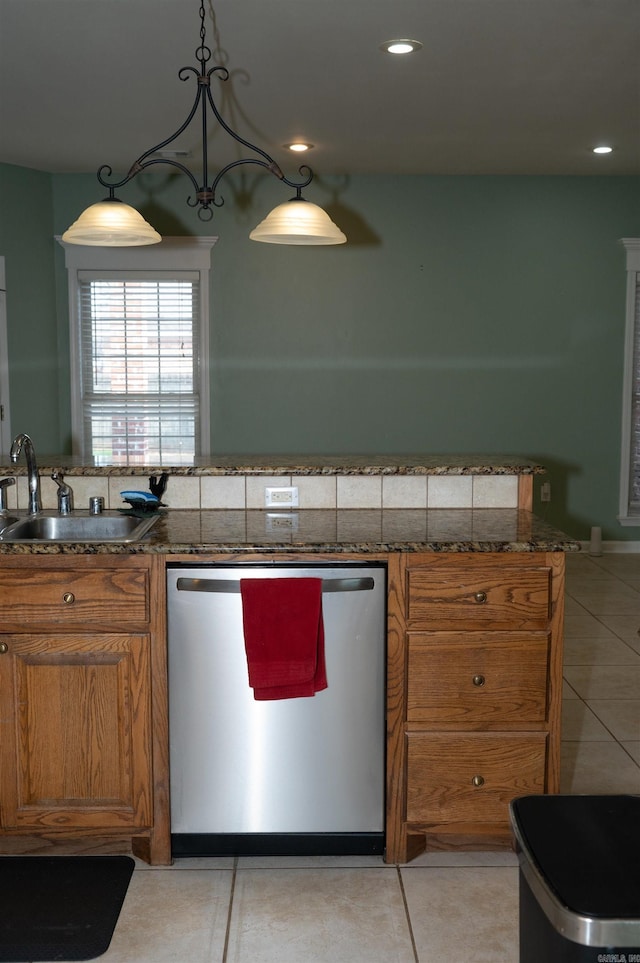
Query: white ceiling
x=500, y=86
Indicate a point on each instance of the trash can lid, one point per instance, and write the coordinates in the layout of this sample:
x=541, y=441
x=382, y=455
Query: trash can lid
x=585, y=851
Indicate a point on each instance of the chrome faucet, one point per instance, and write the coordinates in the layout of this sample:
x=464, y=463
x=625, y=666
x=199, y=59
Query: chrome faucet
x=65, y=494
x=23, y=441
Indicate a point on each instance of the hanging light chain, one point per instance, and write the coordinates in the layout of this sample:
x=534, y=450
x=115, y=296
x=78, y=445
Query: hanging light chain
x=203, y=53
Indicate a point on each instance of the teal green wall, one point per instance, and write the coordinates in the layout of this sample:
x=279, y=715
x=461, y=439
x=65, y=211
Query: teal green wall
x=464, y=315
x=26, y=241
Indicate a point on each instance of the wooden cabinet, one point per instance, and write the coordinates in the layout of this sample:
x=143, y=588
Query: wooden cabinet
x=477, y=640
x=78, y=673
x=474, y=676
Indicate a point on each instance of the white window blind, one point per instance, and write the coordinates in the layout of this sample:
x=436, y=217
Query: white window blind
x=139, y=351
x=139, y=367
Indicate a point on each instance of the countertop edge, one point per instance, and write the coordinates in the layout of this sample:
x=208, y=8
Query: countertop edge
x=298, y=465
x=328, y=531
x=326, y=548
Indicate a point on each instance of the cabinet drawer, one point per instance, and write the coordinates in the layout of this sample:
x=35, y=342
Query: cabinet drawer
x=71, y=595
x=472, y=777
x=479, y=595
x=478, y=678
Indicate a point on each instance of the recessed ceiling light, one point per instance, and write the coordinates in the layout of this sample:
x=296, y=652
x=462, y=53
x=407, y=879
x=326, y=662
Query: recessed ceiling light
x=401, y=46
x=603, y=149
x=299, y=146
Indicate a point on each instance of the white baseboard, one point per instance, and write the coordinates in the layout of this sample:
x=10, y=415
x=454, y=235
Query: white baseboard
x=631, y=548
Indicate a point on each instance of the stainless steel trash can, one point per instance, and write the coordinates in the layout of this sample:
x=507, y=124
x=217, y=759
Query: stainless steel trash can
x=579, y=873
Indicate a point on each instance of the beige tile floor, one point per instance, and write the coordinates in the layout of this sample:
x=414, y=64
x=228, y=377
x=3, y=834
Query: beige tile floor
x=440, y=908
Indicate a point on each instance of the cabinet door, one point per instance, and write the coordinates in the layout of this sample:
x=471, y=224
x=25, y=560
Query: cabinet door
x=75, y=731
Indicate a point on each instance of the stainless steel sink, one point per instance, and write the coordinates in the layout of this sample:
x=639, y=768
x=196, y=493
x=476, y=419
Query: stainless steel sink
x=108, y=526
x=6, y=520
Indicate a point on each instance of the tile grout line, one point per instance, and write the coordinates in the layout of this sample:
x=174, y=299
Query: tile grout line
x=407, y=915
x=227, y=934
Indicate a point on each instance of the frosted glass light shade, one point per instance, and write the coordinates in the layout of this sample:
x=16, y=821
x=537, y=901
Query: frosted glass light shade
x=111, y=223
x=298, y=222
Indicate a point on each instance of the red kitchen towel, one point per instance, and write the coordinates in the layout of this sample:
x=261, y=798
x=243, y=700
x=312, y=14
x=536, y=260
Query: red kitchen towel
x=283, y=636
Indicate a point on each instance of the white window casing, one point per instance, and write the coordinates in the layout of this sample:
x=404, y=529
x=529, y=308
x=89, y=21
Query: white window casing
x=5, y=419
x=629, y=513
x=139, y=344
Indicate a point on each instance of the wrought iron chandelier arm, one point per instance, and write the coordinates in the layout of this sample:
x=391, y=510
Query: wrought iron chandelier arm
x=229, y=130
x=141, y=163
x=171, y=163
x=308, y=177
x=268, y=163
x=270, y=166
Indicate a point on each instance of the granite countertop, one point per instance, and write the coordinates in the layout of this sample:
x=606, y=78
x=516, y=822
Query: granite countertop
x=415, y=464
x=356, y=531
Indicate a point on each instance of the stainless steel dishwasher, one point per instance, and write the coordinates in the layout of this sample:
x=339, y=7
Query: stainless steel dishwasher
x=294, y=776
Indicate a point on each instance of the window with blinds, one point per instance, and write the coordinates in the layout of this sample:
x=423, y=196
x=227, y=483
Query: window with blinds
x=139, y=367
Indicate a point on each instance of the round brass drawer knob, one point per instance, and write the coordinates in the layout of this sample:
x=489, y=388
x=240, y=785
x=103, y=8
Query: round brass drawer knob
x=68, y=598
x=480, y=597
x=3, y=648
x=479, y=680
x=478, y=781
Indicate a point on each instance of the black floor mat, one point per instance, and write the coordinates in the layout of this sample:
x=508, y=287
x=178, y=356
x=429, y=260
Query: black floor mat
x=60, y=907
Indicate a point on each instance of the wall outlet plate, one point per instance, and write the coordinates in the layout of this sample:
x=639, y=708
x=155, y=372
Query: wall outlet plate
x=281, y=497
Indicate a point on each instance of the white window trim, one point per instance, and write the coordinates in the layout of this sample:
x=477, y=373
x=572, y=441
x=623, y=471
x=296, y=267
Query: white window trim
x=171, y=254
x=5, y=417
x=632, y=247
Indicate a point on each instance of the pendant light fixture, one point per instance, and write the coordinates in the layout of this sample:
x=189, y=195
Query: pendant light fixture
x=112, y=223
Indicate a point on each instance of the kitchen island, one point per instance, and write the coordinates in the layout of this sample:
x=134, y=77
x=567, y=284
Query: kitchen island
x=474, y=656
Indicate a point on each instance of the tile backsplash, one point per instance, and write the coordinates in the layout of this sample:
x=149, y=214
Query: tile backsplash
x=314, y=491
